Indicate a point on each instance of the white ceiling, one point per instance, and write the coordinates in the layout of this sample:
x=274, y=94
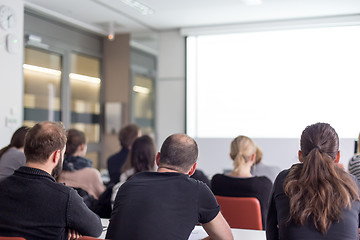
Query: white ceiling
x=94, y=15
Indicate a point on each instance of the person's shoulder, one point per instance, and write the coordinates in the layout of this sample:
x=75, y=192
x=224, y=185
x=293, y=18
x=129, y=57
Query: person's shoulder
x=263, y=179
x=113, y=157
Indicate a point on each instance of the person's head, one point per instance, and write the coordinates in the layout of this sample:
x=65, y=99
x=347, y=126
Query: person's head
x=45, y=144
x=76, y=143
x=178, y=152
x=259, y=155
x=142, y=154
x=242, y=151
x=128, y=134
x=319, y=187
x=17, y=139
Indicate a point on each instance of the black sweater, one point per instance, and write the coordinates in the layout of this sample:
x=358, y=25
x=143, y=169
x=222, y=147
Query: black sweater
x=34, y=206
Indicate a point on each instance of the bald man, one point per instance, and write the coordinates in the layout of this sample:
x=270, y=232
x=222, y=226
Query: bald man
x=167, y=204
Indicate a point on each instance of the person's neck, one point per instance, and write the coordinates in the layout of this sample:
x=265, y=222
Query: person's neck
x=40, y=166
x=243, y=171
x=163, y=169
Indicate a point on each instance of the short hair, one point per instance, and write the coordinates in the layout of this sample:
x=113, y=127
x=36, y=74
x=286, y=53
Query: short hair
x=43, y=139
x=74, y=139
x=259, y=155
x=128, y=134
x=179, y=151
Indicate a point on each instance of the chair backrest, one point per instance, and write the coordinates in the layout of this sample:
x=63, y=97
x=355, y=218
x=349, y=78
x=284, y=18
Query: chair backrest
x=241, y=212
x=88, y=238
x=12, y=238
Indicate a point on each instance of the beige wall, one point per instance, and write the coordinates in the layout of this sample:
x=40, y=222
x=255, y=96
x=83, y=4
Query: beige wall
x=116, y=86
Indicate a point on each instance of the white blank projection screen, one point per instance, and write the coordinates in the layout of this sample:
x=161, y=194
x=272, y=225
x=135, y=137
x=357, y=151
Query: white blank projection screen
x=273, y=84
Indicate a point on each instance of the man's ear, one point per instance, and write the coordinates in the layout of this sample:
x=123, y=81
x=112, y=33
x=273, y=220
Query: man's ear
x=192, y=169
x=157, y=159
x=55, y=156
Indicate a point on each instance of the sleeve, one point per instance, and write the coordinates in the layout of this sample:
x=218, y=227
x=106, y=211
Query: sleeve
x=99, y=186
x=272, y=229
x=81, y=218
x=208, y=206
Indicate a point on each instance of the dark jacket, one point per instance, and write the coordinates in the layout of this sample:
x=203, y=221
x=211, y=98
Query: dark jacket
x=34, y=206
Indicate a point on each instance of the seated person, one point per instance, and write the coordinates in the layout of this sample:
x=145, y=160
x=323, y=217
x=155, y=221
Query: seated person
x=33, y=205
x=141, y=158
x=200, y=175
x=354, y=163
x=12, y=156
x=315, y=199
x=260, y=169
x=240, y=182
x=127, y=136
x=167, y=204
x=77, y=170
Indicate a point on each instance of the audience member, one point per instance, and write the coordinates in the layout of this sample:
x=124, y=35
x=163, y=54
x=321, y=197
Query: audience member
x=127, y=136
x=240, y=182
x=315, y=199
x=33, y=205
x=141, y=158
x=354, y=163
x=77, y=170
x=12, y=156
x=200, y=175
x=260, y=169
x=167, y=204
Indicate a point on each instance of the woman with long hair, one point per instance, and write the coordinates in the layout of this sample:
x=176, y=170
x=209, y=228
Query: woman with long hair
x=141, y=158
x=240, y=182
x=12, y=156
x=315, y=199
x=78, y=171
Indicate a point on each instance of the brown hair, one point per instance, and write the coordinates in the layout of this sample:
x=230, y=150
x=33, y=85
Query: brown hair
x=17, y=139
x=74, y=139
x=259, y=155
x=43, y=139
x=319, y=188
x=178, y=151
x=128, y=134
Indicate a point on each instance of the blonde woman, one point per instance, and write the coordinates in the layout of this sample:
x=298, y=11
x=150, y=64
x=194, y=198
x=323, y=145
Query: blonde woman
x=240, y=182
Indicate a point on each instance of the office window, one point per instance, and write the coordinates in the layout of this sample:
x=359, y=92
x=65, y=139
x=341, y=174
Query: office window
x=273, y=84
x=42, y=84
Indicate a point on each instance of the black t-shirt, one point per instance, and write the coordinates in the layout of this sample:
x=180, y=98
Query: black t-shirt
x=259, y=187
x=152, y=205
x=279, y=227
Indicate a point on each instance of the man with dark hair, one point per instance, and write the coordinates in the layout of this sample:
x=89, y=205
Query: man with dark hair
x=33, y=205
x=127, y=136
x=167, y=204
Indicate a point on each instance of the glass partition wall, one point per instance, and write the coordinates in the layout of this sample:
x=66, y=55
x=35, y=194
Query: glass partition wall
x=48, y=89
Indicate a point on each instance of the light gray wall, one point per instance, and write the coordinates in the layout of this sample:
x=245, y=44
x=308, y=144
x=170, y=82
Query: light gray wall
x=170, y=99
x=11, y=76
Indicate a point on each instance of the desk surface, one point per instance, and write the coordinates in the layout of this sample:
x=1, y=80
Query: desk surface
x=199, y=233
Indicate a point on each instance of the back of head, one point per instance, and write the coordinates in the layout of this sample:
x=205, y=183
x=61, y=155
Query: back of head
x=17, y=139
x=319, y=187
x=142, y=154
x=259, y=155
x=75, y=138
x=42, y=140
x=128, y=134
x=178, y=151
x=241, y=150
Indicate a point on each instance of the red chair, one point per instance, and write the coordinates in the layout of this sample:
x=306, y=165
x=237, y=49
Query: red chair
x=12, y=238
x=241, y=212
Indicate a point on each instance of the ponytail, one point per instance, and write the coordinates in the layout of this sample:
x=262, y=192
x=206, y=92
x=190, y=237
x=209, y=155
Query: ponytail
x=319, y=188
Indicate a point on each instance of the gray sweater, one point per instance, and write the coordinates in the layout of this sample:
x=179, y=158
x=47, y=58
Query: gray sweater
x=11, y=160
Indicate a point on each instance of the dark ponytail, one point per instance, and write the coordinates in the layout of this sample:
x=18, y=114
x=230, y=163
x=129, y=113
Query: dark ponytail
x=319, y=188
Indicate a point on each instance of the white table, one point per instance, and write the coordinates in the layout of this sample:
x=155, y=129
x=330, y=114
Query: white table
x=199, y=233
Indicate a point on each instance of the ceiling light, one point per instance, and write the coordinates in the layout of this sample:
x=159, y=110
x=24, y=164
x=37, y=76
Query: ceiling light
x=84, y=78
x=140, y=89
x=111, y=35
x=42, y=70
x=252, y=2
x=143, y=9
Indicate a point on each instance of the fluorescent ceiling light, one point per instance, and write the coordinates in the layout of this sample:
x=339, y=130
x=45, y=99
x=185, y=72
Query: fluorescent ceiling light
x=252, y=2
x=143, y=9
x=140, y=89
x=84, y=78
x=42, y=70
